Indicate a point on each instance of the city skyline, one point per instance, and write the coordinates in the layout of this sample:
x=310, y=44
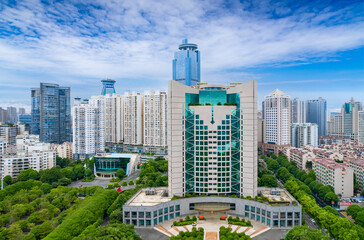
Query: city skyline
x=283, y=46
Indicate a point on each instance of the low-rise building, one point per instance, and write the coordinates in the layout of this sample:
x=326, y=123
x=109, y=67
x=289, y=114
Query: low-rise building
x=338, y=175
x=300, y=156
x=151, y=207
x=28, y=153
x=358, y=166
x=106, y=165
x=64, y=150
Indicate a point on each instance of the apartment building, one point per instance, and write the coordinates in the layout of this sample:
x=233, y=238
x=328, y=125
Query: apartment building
x=304, y=134
x=133, y=118
x=29, y=153
x=299, y=156
x=64, y=150
x=338, y=175
x=155, y=118
x=88, y=128
x=358, y=166
x=277, y=122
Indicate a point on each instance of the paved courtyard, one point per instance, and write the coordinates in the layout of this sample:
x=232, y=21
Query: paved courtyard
x=211, y=227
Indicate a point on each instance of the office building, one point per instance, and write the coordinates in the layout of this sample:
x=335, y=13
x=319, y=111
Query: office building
x=304, y=134
x=361, y=127
x=21, y=111
x=133, y=118
x=316, y=112
x=108, y=87
x=210, y=149
x=277, y=122
x=25, y=118
x=12, y=115
x=186, y=64
x=338, y=175
x=298, y=111
x=155, y=118
x=51, y=113
x=88, y=128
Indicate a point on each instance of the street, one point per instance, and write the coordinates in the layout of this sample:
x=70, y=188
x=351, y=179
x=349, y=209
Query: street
x=308, y=221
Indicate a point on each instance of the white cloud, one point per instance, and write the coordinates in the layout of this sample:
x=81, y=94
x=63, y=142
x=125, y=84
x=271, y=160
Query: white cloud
x=136, y=39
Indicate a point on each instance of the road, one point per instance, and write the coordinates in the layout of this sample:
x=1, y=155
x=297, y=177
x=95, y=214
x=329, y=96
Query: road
x=150, y=234
x=272, y=234
x=309, y=222
x=132, y=176
x=97, y=182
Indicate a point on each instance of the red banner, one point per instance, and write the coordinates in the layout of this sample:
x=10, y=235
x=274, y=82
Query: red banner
x=344, y=203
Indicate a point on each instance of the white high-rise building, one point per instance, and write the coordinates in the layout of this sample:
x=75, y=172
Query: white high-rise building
x=155, y=118
x=113, y=117
x=212, y=139
x=88, y=127
x=298, y=111
x=304, y=134
x=277, y=118
x=361, y=127
x=133, y=118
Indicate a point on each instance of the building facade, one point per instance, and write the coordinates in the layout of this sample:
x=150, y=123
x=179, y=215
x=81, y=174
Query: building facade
x=210, y=149
x=298, y=111
x=338, y=175
x=64, y=150
x=9, y=133
x=150, y=207
x=51, y=113
x=350, y=119
x=304, y=134
x=113, y=109
x=361, y=127
x=12, y=114
x=277, y=122
x=186, y=64
x=155, y=118
x=316, y=112
x=88, y=128
x=133, y=118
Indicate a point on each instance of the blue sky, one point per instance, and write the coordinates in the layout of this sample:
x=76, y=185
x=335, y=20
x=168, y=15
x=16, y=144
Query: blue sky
x=308, y=49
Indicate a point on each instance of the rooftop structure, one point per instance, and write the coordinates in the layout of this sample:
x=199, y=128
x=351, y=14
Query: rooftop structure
x=108, y=87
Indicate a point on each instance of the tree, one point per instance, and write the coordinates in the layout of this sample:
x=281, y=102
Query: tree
x=269, y=180
x=28, y=174
x=304, y=233
x=331, y=210
x=324, y=190
x=362, y=193
x=131, y=182
x=309, y=164
x=62, y=162
x=120, y=173
x=308, y=181
x=311, y=174
x=356, y=184
x=124, y=183
x=8, y=180
x=352, y=210
x=273, y=165
x=51, y=175
x=331, y=196
x=305, y=188
x=359, y=218
x=46, y=188
x=79, y=171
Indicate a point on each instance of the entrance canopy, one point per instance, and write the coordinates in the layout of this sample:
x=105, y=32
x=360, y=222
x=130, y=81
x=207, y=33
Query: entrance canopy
x=212, y=207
